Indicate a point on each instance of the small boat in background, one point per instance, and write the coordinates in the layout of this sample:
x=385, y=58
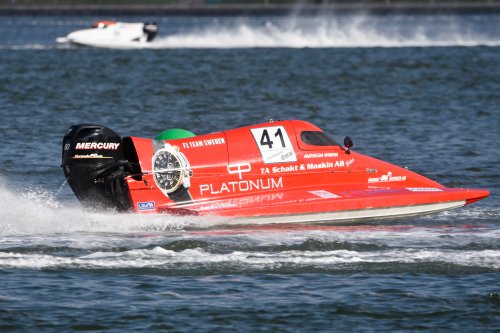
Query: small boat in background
x=112, y=34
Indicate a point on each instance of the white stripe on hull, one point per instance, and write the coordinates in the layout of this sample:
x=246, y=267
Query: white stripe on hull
x=346, y=215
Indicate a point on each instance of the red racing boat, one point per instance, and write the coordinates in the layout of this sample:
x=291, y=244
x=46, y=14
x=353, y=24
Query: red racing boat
x=282, y=171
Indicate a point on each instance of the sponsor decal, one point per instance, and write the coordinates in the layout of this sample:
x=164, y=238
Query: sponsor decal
x=241, y=186
x=147, y=205
x=325, y=194
x=97, y=145
x=424, y=189
x=204, y=143
x=387, y=178
x=90, y=156
x=308, y=166
x=274, y=144
x=320, y=155
x=239, y=168
x=67, y=146
x=280, y=169
x=323, y=165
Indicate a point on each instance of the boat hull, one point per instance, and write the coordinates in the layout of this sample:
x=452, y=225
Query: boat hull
x=352, y=215
x=326, y=206
x=113, y=35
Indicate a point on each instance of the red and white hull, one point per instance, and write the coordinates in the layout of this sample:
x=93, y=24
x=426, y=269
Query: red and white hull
x=276, y=172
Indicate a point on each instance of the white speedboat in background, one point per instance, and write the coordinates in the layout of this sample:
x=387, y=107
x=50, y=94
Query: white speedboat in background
x=112, y=34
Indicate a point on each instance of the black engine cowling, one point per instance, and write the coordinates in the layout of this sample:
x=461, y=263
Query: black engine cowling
x=150, y=29
x=94, y=166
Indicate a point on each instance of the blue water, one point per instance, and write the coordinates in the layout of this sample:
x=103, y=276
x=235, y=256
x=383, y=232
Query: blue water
x=418, y=91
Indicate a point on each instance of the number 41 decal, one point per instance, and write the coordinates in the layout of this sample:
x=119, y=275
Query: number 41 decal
x=274, y=144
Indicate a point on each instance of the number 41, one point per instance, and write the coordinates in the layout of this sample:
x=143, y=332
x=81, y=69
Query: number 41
x=265, y=140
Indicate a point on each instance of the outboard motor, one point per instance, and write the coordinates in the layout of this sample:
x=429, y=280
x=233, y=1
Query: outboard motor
x=92, y=160
x=150, y=29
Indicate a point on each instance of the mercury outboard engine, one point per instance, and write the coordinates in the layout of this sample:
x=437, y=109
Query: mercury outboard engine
x=92, y=160
x=150, y=29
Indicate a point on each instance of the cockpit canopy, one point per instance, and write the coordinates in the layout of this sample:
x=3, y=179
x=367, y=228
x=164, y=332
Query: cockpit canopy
x=317, y=138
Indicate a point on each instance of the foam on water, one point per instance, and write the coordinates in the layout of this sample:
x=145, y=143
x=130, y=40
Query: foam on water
x=192, y=258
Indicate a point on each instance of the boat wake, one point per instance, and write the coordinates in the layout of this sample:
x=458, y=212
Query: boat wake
x=40, y=232
x=36, y=211
x=191, y=259
x=331, y=32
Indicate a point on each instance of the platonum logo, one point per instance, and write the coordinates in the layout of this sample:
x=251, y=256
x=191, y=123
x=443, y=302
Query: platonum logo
x=239, y=169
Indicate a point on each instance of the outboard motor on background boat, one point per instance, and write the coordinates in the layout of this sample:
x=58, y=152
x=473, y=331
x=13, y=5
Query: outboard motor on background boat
x=93, y=166
x=150, y=29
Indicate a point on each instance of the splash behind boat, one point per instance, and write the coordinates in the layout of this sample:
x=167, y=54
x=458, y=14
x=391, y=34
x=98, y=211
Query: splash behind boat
x=284, y=171
x=111, y=34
